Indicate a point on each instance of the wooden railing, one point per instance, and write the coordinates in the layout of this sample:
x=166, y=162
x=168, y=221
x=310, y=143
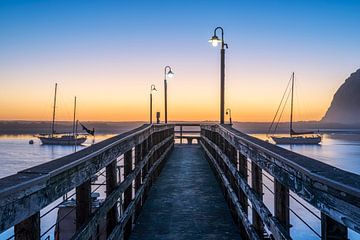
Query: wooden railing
x=142, y=150
x=187, y=130
x=334, y=192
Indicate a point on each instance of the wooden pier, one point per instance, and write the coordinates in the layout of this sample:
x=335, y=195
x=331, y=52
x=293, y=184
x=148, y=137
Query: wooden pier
x=185, y=202
x=158, y=188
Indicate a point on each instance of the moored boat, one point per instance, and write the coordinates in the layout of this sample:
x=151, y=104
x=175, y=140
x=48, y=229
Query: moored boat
x=297, y=140
x=62, y=139
x=72, y=139
x=309, y=137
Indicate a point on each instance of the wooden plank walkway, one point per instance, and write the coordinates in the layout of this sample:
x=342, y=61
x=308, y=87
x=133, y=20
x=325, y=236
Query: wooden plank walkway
x=185, y=202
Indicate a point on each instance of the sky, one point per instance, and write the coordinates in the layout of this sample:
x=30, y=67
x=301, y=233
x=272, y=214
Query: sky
x=108, y=53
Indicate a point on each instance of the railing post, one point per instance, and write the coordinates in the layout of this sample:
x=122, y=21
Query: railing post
x=220, y=141
x=151, y=160
x=111, y=183
x=29, y=228
x=144, y=152
x=181, y=133
x=242, y=168
x=232, y=154
x=281, y=201
x=128, y=192
x=172, y=132
x=256, y=177
x=83, y=203
x=243, y=173
x=138, y=158
x=332, y=230
x=156, y=155
x=145, y=169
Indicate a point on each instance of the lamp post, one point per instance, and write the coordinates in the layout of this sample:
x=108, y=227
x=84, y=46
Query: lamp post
x=228, y=112
x=215, y=41
x=151, y=91
x=170, y=74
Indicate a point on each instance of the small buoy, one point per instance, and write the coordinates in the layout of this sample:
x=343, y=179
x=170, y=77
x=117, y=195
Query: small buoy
x=31, y=142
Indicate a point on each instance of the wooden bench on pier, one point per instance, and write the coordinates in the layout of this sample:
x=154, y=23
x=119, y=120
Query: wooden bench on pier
x=190, y=134
x=189, y=139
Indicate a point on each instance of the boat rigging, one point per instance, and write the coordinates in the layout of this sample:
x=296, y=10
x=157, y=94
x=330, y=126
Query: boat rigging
x=294, y=137
x=71, y=139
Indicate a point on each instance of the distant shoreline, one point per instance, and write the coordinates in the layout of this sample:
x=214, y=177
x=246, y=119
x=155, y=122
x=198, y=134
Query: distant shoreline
x=36, y=127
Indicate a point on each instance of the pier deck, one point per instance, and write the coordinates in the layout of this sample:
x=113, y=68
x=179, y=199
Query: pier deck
x=185, y=202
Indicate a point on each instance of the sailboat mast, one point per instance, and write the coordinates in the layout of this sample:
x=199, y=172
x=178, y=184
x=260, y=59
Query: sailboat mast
x=292, y=104
x=74, y=120
x=54, y=111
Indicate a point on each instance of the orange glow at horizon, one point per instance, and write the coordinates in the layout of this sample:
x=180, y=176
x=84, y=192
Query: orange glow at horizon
x=108, y=55
x=122, y=102
x=107, y=89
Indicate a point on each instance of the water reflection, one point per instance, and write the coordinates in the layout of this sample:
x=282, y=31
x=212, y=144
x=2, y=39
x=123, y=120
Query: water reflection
x=17, y=154
x=339, y=150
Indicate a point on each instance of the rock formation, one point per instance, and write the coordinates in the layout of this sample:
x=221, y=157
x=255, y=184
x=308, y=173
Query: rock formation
x=345, y=106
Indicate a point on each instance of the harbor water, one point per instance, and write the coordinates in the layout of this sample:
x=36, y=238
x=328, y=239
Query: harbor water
x=339, y=150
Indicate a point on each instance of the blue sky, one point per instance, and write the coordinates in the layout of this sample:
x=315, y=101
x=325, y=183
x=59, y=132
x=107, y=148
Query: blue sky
x=124, y=45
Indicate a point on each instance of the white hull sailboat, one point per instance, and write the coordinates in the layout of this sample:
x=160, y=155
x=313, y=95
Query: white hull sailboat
x=61, y=139
x=71, y=139
x=297, y=140
x=295, y=137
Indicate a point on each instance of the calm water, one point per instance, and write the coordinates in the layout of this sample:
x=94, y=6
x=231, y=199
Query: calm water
x=17, y=154
x=340, y=150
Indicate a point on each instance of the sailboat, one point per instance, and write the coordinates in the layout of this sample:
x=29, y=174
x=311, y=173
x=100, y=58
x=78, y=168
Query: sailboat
x=54, y=138
x=295, y=137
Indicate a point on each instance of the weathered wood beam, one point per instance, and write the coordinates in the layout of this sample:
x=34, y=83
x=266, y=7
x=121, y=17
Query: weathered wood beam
x=281, y=204
x=257, y=186
x=138, y=158
x=28, y=229
x=243, y=173
x=332, y=230
x=242, y=170
x=331, y=190
x=271, y=222
x=86, y=232
x=128, y=162
x=83, y=204
x=251, y=232
x=39, y=186
x=118, y=232
x=111, y=184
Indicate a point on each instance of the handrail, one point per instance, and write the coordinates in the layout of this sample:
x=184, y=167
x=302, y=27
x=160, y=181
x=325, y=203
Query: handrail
x=337, y=178
x=11, y=184
x=272, y=223
x=24, y=194
x=90, y=228
x=335, y=192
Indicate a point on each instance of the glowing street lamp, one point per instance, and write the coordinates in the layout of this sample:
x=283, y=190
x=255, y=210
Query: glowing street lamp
x=215, y=40
x=168, y=73
x=228, y=112
x=151, y=91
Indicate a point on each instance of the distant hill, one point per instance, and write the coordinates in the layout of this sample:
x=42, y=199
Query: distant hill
x=345, y=106
x=36, y=127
